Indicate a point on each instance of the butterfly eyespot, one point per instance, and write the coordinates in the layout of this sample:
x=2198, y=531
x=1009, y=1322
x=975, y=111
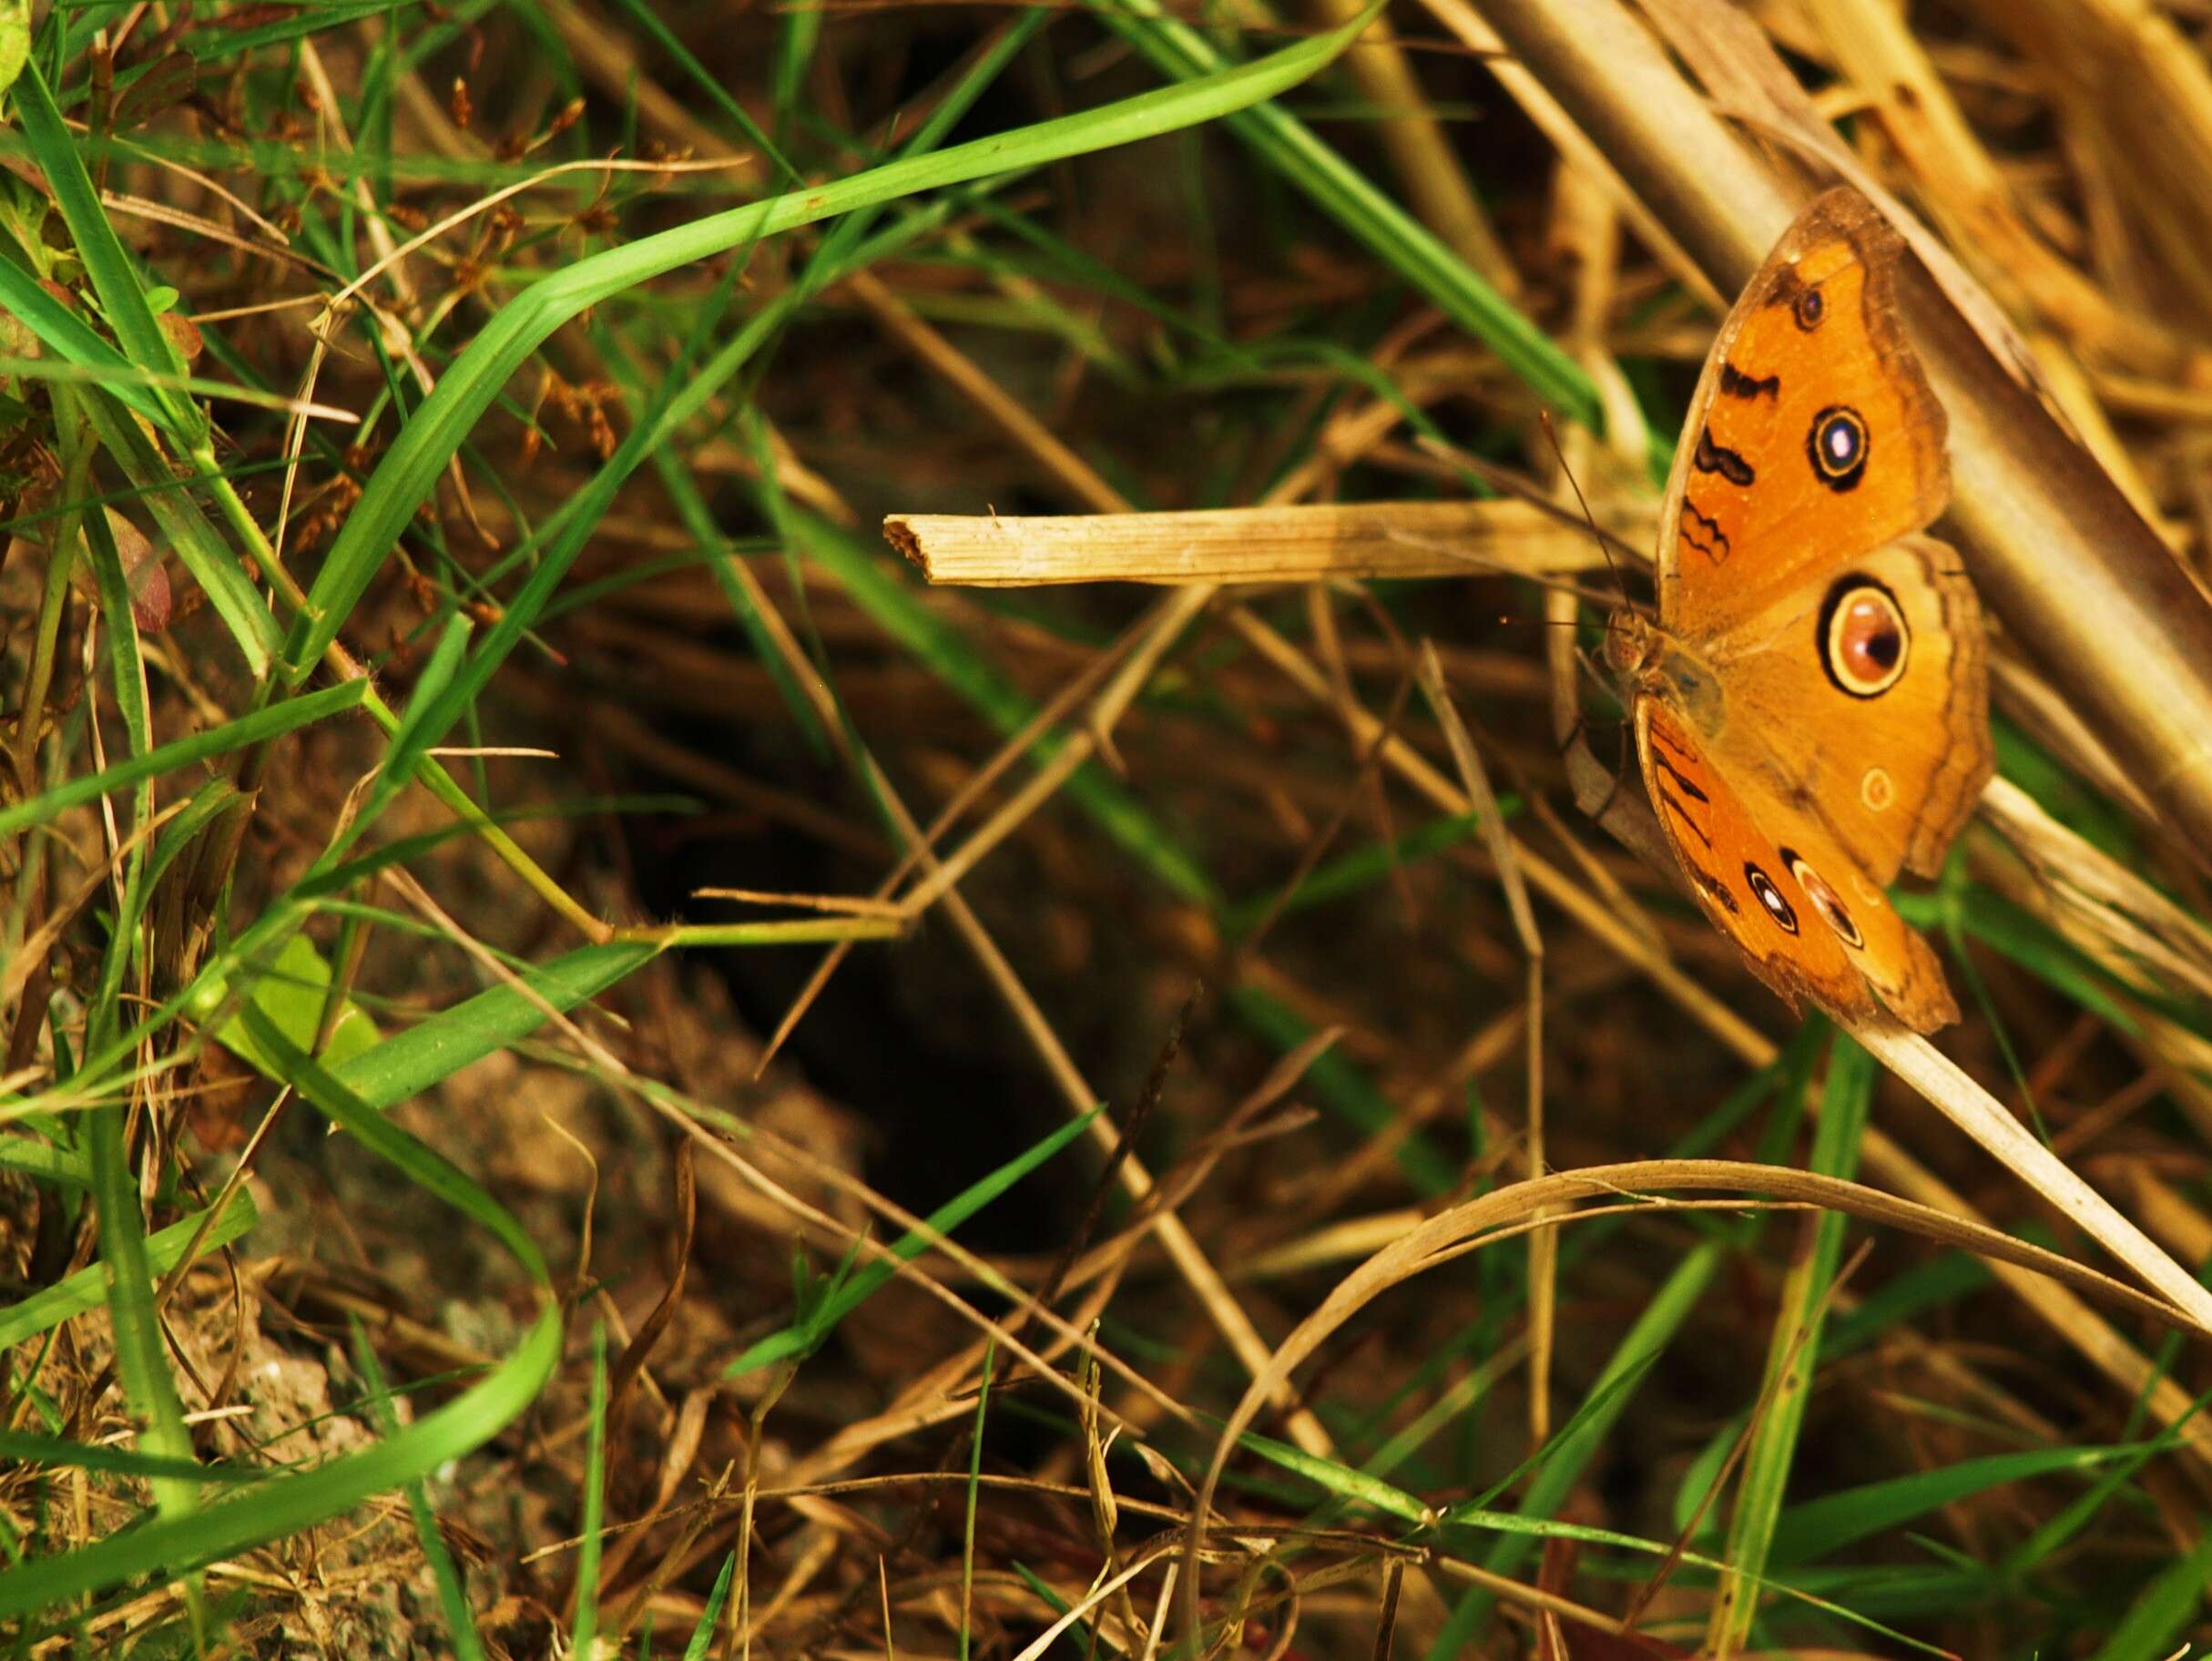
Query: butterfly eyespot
x=1825, y=900
x=1864, y=647
x=1810, y=309
x=1837, y=444
x=1877, y=788
x=1763, y=890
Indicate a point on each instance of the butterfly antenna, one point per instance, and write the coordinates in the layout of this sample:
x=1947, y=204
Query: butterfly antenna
x=1597, y=536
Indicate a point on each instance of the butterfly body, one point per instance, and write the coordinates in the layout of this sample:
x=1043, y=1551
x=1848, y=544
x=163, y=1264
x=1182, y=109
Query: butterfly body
x=1811, y=705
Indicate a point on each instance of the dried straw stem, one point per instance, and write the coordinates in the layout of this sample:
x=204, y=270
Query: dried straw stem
x=1293, y=543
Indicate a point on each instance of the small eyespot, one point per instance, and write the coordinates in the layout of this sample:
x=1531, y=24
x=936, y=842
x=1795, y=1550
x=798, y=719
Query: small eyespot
x=1864, y=648
x=1767, y=895
x=1836, y=444
x=1824, y=898
x=1810, y=309
x=1878, y=790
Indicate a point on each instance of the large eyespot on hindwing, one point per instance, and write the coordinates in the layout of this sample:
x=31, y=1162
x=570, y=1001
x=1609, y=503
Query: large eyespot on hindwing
x=1862, y=638
x=1825, y=900
x=1770, y=899
x=1836, y=444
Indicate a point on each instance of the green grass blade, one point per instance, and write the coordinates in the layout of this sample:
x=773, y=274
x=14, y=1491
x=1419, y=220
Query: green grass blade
x=433, y=1049
x=64, y=1453
x=1570, y=1453
x=1793, y=1345
x=1807, y=1533
x=68, y=337
x=249, y=729
x=115, y=277
x=975, y=1471
x=452, y=1587
x=163, y=1549
x=805, y=1335
x=586, y=1638
x=127, y=674
x=1341, y=1481
x=86, y=1289
x=426, y=1168
x=142, y=1360
x=2164, y=1612
x=409, y=469
x=701, y=1645
x=1339, y=191
x=199, y=546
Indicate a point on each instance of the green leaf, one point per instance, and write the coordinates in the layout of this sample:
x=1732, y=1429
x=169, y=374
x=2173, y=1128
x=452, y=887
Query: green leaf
x=14, y=40
x=293, y=994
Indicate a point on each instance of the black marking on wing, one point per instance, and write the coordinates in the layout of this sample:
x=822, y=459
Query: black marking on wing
x=1718, y=458
x=1712, y=887
x=1682, y=781
x=1667, y=800
x=1705, y=536
x=1737, y=384
x=1663, y=792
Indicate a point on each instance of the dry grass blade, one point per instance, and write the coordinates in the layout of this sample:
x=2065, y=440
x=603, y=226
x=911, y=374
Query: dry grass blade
x=1543, y=1246
x=1304, y=543
x=1467, y=1228
x=1974, y=1110
x=2134, y=920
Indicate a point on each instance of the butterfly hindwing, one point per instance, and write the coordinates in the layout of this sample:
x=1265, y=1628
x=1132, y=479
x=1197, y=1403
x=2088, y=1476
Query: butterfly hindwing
x=1809, y=921
x=1882, y=661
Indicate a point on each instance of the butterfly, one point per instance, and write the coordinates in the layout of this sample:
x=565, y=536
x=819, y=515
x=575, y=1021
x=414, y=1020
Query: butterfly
x=1811, y=707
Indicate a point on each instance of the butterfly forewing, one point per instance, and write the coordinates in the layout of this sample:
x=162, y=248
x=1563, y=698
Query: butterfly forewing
x=1813, y=435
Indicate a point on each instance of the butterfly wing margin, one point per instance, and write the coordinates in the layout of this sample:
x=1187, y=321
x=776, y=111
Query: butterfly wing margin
x=1811, y=923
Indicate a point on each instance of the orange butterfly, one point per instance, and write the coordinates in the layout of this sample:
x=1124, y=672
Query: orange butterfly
x=1811, y=707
